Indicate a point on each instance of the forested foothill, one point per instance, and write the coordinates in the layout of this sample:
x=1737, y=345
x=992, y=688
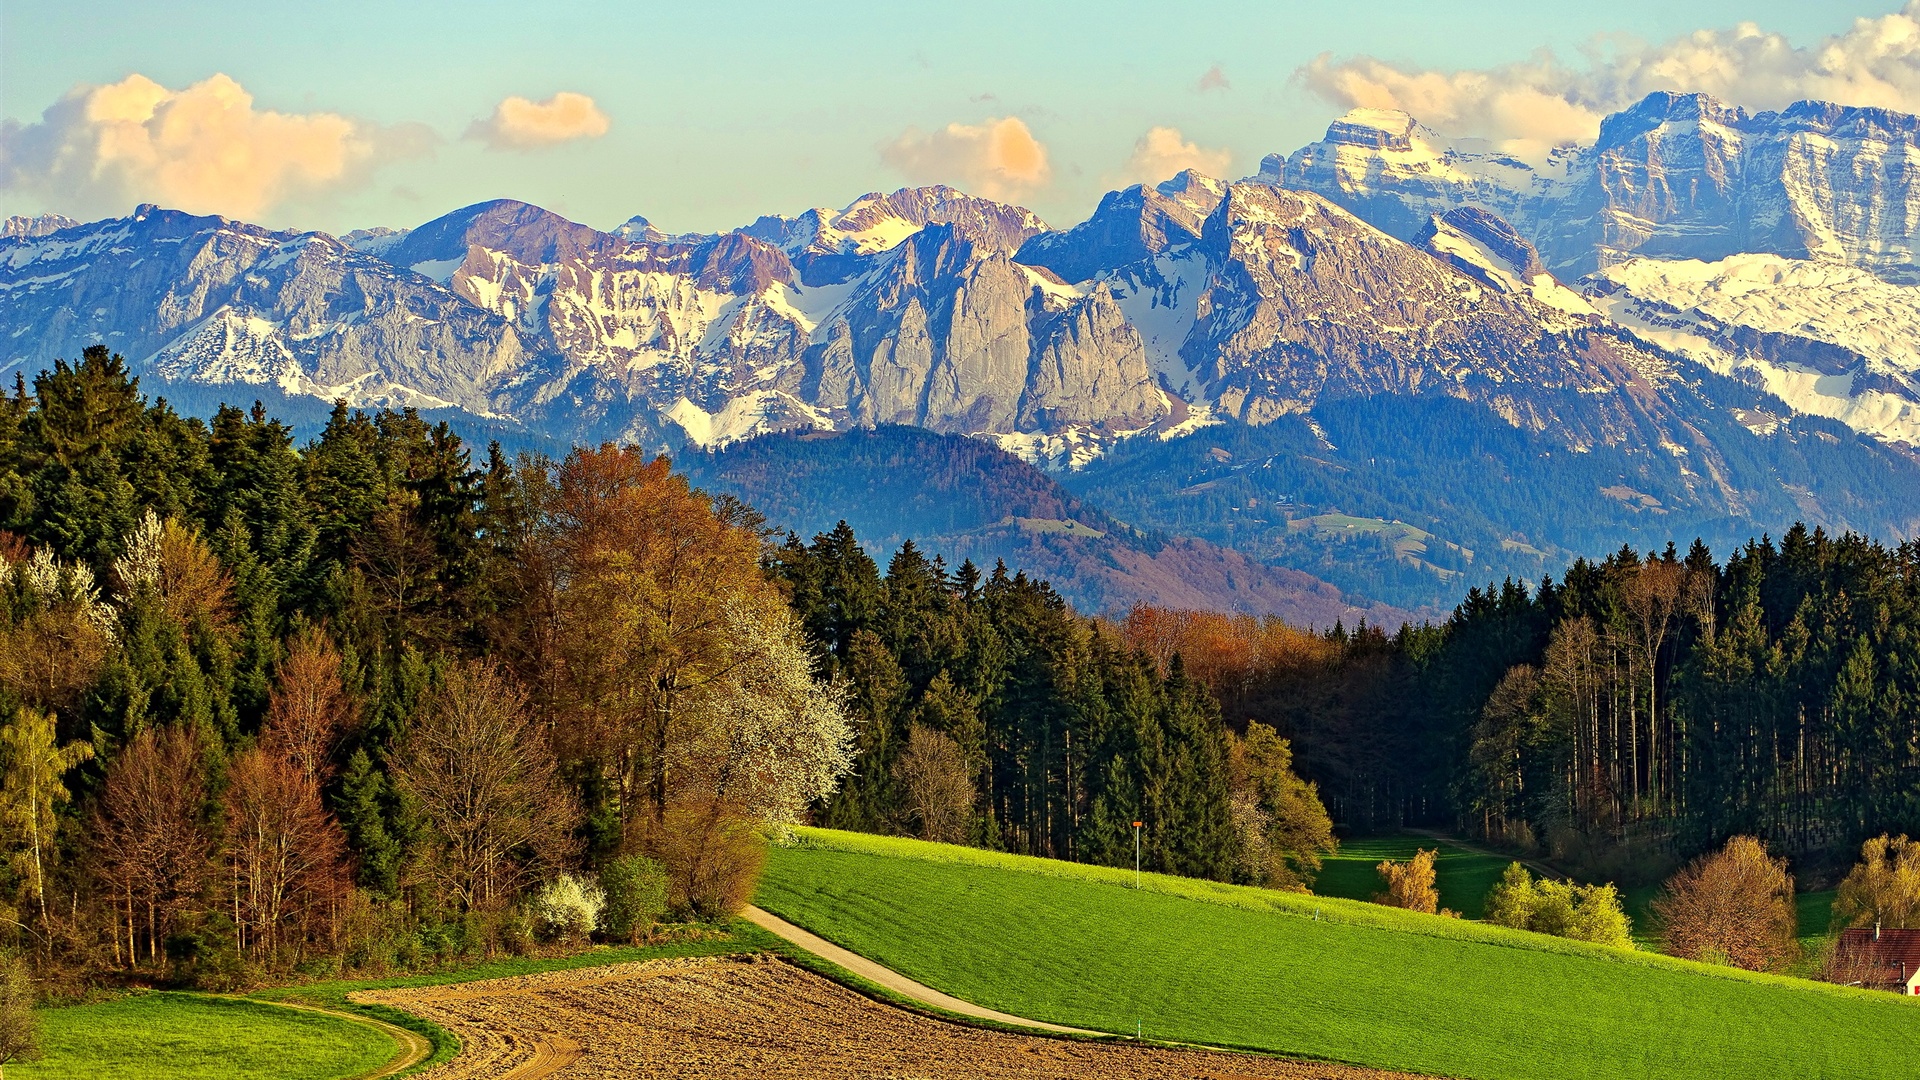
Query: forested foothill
x=377, y=701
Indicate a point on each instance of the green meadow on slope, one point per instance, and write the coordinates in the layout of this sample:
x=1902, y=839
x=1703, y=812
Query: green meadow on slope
x=1197, y=961
x=192, y=1037
x=1462, y=877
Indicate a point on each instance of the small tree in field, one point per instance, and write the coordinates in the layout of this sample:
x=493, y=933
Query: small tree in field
x=1884, y=887
x=1410, y=884
x=1735, y=904
x=19, y=1027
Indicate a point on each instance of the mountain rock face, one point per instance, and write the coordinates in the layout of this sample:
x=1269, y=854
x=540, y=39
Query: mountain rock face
x=1675, y=176
x=26, y=228
x=1370, y=344
x=1128, y=226
x=208, y=300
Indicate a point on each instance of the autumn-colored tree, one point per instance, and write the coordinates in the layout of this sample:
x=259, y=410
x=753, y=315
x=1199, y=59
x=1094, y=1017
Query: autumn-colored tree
x=149, y=837
x=1284, y=826
x=486, y=781
x=171, y=561
x=310, y=710
x=285, y=853
x=1883, y=887
x=33, y=769
x=936, y=786
x=1732, y=906
x=19, y=1024
x=652, y=580
x=1410, y=884
x=51, y=655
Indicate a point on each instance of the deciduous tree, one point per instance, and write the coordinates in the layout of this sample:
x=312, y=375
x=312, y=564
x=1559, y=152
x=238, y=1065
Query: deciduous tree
x=486, y=782
x=1732, y=906
x=285, y=852
x=1884, y=887
x=33, y=769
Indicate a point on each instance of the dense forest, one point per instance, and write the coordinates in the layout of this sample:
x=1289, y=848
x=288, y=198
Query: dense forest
x=374, y=701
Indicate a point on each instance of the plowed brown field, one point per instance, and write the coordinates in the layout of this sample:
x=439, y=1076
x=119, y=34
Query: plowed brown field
x=761, y=1017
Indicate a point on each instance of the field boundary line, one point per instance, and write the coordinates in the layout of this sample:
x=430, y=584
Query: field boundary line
x=892, y=980
x=413, y=1047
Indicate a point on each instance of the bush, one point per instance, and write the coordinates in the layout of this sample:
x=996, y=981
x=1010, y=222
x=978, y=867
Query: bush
x=1734, y=906
x=568, y=907
x=1410, y=884
x=636, y=891
x=713, y=859
x=1561, y=908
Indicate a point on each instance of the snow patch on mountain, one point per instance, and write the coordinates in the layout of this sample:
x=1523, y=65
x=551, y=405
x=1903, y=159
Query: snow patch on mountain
x=1827, y=339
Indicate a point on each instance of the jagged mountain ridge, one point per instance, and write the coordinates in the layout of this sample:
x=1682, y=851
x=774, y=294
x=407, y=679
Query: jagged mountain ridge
x=1175, y=306
x=1675, y=176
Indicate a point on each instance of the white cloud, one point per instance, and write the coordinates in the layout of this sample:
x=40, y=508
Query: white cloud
x=1163, y=152
x=997, y=159
x=520, y=124
x=1529, y=106
x=204, y=149
x=1214, y=79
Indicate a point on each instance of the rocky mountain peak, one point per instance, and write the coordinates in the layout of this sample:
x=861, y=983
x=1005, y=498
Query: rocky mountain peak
x=1663, y=109
x=1495, y=245
x=1376, y=129
x=26, y=228
x=1129, y=225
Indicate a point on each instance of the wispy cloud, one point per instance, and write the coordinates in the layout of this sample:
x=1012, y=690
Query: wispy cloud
x=1163, y=152
x=1214, y=79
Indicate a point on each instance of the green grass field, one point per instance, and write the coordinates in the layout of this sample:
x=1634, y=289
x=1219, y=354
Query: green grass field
x=168, y=1036
x=1317, y=976
x=1462, y=877
x=190, y=1037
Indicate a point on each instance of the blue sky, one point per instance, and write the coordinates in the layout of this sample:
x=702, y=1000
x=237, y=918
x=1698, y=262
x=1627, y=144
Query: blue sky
x=718, y=112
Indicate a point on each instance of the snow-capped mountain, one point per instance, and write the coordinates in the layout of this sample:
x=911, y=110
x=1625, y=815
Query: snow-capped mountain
x=1675, y=176
x=1826, y=339
x=213, y=301
x=1174, y=307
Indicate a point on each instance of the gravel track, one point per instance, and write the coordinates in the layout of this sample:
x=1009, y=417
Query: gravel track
x=706, y=1018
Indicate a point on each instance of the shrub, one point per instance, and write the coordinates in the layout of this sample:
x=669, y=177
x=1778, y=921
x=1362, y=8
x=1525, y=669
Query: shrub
x=1561, y=908
x=568, y=907
x=19, y=1026
x=712, y=856
x=636, y=891
x=1409, y=884
x=1732, y=906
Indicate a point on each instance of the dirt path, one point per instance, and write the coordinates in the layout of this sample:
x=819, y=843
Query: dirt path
x=891, y=979
x=1534, y=865
x=412, y=1047
x=717, y=1018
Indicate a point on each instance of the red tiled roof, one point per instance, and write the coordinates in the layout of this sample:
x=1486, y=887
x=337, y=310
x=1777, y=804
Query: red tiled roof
x=1893, y=948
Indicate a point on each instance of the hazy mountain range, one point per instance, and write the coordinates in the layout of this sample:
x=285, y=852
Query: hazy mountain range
x=1396, y=360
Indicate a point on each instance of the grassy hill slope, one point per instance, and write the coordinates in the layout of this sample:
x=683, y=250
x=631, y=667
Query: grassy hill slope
x=1201, y=962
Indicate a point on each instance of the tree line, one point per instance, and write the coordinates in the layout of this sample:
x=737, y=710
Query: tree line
x=363, y=701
